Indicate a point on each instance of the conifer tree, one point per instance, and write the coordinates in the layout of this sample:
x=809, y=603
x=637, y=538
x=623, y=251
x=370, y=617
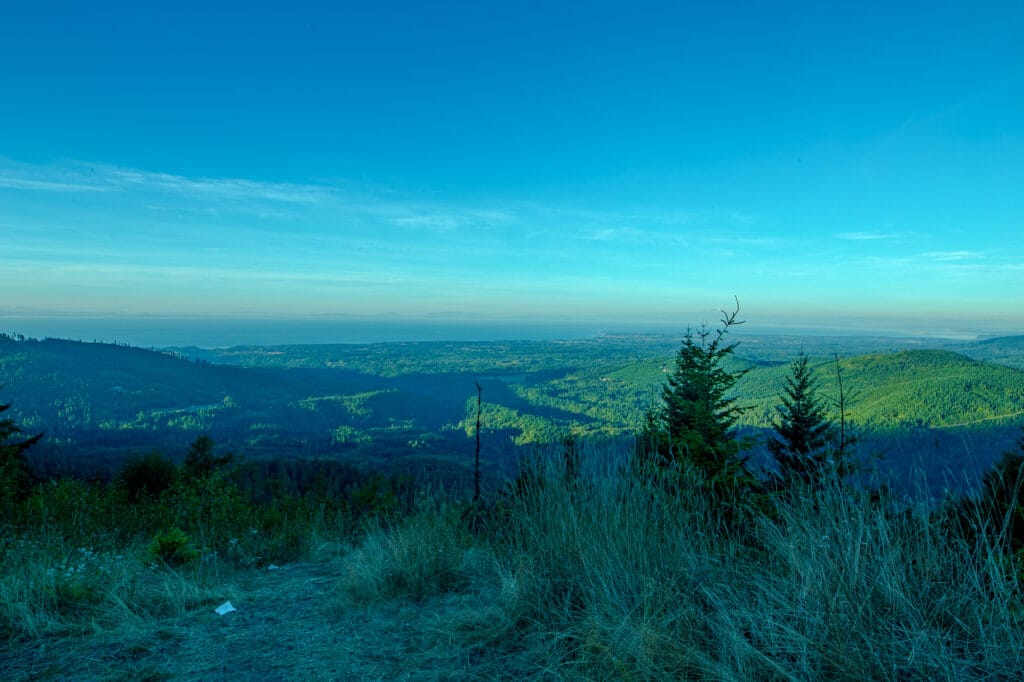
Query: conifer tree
x=1001, y=502
x=200, y=462
x=697, y=421
x=15, y=476
x=804, y=435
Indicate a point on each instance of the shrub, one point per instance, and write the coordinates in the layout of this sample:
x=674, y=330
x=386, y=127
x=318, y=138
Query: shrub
x=146, y=478
x=379, y=496
x=77, y=509
x=173, y=547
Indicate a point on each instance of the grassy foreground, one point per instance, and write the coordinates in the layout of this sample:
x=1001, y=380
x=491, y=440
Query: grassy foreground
x=596, y=577
x=612, y=578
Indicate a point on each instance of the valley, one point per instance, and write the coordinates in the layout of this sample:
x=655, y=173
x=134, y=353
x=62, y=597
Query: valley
x=946, y=407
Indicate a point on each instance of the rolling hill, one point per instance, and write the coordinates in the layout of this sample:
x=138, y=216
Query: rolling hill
x=907, y=389
x=414, y=402
x=1002, y=350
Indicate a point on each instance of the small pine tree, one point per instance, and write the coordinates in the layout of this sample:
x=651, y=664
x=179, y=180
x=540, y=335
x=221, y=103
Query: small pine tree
x=15, y=475
x=200, y=461
x=804, y=435
x=697, y=421
x=1002, y=498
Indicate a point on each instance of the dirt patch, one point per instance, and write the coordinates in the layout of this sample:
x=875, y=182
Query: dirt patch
x=287, y=627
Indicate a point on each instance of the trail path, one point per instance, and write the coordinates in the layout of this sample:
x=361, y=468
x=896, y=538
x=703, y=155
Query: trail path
x=284, y=629
x=979, y=421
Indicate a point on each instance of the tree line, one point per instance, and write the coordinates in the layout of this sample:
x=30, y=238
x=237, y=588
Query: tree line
x=696, y=428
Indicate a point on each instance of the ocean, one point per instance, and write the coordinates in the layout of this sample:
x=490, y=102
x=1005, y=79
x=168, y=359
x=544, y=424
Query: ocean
x=208, y=332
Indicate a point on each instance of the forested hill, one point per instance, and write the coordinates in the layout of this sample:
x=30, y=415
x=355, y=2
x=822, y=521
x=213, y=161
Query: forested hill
x=99, y=403
x=907, y=389
x=407, y=403
x=935, y=388
x=1003, y=350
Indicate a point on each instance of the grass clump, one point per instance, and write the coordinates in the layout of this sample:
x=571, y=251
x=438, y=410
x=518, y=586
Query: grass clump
x=424, y=554
x=618, y=576
x=574, y=571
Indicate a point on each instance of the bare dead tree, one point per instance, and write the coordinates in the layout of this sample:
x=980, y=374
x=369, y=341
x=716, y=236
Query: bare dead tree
x=844, y=466
x=476, y=468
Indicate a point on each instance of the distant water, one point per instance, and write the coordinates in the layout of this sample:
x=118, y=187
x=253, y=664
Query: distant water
x=161, y=332
x=206, y=332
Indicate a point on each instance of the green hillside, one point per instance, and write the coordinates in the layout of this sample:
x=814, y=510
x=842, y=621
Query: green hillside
x=415, y=402
x=933, y=388
x=909, y=389
x=1003, y=350
x=99, y=403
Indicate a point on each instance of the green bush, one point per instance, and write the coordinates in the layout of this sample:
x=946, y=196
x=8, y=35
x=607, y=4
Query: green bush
x=173, y=547
x=77, y=509
x=146, y=478
x=379, y=496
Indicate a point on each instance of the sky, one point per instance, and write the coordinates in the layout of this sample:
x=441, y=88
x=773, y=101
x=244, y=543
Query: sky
x=636, y=163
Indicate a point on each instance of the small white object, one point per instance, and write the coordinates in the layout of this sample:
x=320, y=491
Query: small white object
x=226, y=607
x=271, y=567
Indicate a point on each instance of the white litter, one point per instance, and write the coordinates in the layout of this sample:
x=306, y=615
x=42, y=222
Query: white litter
x=226, y=607
x=271, y=567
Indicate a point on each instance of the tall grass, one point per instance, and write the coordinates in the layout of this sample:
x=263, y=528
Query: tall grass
x=55, y=585
x=591, y=573
x=76, y=557
x=617, y=577
x=424, y=554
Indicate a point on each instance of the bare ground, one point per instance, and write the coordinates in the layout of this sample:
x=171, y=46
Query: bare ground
x=287, y=627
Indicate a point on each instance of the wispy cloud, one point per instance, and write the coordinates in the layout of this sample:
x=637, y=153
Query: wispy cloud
x=166, y=235
x=445, y=218
x=213, y=188
x=951, y=256
x=82, y=177
x=740, y=240
x=48, y=185
x=368, y=209
x=867, y=236
x=675, y=237
x=632, y=235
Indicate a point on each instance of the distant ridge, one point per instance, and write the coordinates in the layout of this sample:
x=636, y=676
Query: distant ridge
x=100, y=402
x=1003, y=350
x=1006, y=341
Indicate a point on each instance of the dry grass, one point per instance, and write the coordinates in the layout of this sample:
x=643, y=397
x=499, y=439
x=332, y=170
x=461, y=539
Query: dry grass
x=615, y=579
x=425, y=554
x=604, y=578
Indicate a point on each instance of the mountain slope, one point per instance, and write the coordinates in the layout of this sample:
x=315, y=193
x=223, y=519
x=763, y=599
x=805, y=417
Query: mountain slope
x=411, y=402
x=920, y=388
x=1003, y=350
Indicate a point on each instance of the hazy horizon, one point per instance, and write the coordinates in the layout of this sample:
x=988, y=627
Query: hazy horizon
x=165, y=331
x=610, y=162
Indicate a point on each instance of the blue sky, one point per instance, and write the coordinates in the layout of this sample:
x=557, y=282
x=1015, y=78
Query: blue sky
x=632, y=162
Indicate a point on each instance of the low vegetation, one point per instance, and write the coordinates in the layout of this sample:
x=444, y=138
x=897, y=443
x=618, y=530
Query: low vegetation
x=75, y=554
x=918, y=402
x=672, y=560
x=613, y=577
